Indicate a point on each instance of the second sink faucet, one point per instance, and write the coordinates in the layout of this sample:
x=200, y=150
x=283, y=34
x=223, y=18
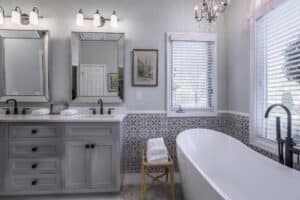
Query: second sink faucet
x=16, y=111
x=100, y=101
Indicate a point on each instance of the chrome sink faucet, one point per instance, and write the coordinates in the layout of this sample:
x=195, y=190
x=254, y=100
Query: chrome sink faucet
x=100, y=101
x=289, y=143
x=16, y=111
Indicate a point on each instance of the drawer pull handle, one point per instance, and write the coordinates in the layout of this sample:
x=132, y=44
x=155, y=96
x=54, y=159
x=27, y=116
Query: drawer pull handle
x=34, y=182
x=34, y=149
x=87, y=146
x=92, y=146
x=34, y=165
x=34, y=131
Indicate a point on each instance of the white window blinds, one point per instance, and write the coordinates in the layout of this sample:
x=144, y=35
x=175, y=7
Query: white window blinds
x=192, y=75
x=278, y=66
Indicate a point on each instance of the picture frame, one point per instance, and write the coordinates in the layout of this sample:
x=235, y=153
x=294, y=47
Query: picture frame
x=112, y=82
x=145, y=67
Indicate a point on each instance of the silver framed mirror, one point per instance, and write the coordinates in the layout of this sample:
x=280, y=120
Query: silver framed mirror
x=98, y=60
x=24, y=67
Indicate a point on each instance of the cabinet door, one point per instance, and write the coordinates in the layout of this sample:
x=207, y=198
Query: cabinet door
x=77, y=164
x=102, y=166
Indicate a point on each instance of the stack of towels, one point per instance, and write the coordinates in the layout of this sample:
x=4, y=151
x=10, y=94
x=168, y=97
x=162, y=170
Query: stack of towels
x=157, y=151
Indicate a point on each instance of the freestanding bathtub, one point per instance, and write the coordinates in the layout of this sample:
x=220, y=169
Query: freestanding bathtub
x=214, y=166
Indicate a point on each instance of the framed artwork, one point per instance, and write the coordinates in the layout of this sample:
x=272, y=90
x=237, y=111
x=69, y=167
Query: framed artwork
x=145, y=67
x=112, y=82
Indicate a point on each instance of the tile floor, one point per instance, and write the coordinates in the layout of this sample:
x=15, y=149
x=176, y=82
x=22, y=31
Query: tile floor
x=155, y=192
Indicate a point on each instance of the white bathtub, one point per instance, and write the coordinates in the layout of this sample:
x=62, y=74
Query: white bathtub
x=214, y=166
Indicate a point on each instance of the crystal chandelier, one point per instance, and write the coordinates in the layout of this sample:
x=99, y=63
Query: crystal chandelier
x=209, y=9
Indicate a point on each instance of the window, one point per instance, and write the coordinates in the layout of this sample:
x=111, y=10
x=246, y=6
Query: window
x=191, y=82
x=277, y=71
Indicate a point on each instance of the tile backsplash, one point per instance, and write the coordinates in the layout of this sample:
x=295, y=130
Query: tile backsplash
x=137, y=128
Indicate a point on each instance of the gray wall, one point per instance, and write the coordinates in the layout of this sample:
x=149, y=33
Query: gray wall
x=237, y=55
x=144, y=22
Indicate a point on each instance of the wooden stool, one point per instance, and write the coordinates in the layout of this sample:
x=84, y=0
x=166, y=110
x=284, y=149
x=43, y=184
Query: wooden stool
x=169, y=172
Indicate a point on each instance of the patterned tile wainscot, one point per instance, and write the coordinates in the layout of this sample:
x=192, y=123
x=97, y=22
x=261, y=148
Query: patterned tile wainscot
x=137, y=128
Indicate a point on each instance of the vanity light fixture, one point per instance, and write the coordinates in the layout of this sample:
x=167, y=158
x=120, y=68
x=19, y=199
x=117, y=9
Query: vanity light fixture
x=114, y=19
x=1, y=15
x=98, y=20
x=20, y=18
x=34, y=16
x=80, y=18
x=16, y=15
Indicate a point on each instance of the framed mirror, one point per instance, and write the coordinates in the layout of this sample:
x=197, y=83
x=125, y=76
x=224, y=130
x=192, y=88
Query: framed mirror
x=98, y=61
x=24, y=67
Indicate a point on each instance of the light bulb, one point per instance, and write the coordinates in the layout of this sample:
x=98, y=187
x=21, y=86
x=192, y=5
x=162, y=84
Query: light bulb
x=80, y=18
x=196, y=8
x=34, y=16
x=216, y=7
x=16, y=16
x=97, y=20
x=114, y=19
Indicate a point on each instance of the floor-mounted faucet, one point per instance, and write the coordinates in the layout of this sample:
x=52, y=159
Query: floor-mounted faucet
x=16, y=111
x=289, y=143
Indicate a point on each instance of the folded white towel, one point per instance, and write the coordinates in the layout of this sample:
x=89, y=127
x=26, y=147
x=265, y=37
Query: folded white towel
x=159, y=161
x=157, y=151
x=69, y=112
x=156, y=146
x=157, y=158
x=40, y=112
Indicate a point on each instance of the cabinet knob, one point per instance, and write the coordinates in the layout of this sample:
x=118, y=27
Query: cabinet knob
x=34, y=149
x=87, y=146
x=34, y=131
x=34, y=165
x=92, y=146
x=34, y=182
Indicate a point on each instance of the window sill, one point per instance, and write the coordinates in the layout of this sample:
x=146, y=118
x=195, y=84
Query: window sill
x=265, y=144
x=192, y=114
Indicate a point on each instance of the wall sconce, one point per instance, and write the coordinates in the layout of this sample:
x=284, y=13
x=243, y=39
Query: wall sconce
x=17, y=17
x=98, y=19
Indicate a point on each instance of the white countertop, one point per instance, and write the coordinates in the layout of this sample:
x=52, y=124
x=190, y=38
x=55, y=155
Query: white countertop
x=60, y=118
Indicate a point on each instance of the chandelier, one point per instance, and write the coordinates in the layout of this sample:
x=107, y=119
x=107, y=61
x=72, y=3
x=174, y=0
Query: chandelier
x=209, y=9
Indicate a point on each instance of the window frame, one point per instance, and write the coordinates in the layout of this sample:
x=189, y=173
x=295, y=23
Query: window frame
x=192, y=36
x=255, y=138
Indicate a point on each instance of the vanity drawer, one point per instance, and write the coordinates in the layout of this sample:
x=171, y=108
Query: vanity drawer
x=89, y=131
x=33, y=131
x=34, y=183
x=33, y=149
x=34, y=166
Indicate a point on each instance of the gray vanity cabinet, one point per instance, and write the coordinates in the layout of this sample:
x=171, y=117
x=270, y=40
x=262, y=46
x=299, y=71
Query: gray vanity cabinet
x=92, y=158
x=59, y=158
x=102, y=165
x=89, y=168
x=3, y=155
x=77, y=165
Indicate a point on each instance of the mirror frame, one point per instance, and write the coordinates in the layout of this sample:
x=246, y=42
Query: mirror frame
x=46, y=98
x=93, y=100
